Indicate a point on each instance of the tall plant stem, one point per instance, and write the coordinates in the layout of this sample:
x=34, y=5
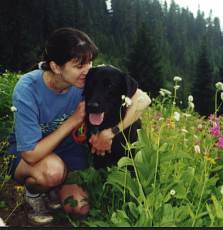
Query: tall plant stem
x=202, y=192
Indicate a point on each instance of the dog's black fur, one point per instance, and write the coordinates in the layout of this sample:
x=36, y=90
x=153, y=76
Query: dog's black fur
x=103, y=90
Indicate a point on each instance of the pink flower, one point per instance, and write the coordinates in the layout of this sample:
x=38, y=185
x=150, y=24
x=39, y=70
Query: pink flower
x=215, y=131
x=220, y=142
x=213, y=118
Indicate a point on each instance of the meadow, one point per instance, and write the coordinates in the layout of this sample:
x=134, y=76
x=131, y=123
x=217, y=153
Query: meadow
x=171, y=177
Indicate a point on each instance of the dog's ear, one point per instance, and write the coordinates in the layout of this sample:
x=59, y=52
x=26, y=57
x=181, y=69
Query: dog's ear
x=131, y=85
x=90, y=72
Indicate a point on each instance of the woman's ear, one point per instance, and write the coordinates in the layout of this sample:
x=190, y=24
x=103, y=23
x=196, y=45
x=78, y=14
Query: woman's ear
x=54, y=67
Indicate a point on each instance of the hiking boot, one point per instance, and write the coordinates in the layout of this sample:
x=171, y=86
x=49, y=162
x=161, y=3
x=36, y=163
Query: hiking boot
x=39, y=214
x=52, y=199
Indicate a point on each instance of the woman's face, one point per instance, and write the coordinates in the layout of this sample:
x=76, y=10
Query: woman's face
x=74, y=73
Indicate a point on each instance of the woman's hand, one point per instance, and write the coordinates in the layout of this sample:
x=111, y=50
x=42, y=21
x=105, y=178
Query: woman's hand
x=78, y=116
x=101, y=142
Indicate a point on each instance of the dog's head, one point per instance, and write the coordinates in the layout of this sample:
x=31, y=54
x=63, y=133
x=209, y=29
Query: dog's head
x=103, y=92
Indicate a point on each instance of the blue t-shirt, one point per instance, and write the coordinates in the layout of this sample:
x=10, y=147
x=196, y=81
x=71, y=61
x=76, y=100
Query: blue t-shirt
x=39, y=110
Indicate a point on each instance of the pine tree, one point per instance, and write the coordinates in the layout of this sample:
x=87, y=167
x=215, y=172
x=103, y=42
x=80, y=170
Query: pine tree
x=203, y=90
x=144, y=62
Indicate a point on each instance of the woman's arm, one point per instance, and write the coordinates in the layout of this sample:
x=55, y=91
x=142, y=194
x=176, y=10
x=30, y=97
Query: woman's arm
x=102, y=141
x=46, y=145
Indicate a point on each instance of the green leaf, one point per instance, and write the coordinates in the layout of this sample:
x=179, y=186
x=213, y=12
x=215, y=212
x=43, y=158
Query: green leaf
x=71, y=201
x=120, y=219
x=168, y=216
x=124, y=161
x=210, y=212
x=123, y=179
x=174, y=156
x=3, y=204
x=133, y=209
x=218, y=207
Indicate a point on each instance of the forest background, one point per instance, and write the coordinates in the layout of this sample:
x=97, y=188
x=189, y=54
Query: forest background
x=151, y=41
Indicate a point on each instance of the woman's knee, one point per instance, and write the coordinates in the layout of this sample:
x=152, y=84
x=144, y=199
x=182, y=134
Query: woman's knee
x=54, y=172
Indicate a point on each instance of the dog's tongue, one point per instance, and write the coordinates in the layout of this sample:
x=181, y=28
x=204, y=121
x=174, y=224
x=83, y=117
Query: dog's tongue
x=96, y=118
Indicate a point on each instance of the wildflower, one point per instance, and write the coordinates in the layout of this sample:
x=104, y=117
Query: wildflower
x=220, y=142
x=176, y=87
x=19, y=188
x=170, y=123
x=13, y=109
x=222, y=96
x=176, y=78
x=172, y=192
x=2, y=223
x=197, y=149
x=213, y=118
x=190, y=98
x=164, y=92
x=215, y=131
x=187, y=114
x=176, y=116
x=184, y=130
x=127, y=101
x=219, y=86
x=200, y=127
x=221, y=190
x=195, y=136
x=191, y=105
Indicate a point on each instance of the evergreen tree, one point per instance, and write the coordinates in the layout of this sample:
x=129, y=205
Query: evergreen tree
x=144, y=62
x=203, y=90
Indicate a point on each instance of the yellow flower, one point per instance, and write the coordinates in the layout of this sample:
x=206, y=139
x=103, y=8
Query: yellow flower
x=19, y=188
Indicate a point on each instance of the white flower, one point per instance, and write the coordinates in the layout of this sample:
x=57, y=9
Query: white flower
x=176, y=87
x=219, y=86
x=200, y=126
x=191, y=105
x=172, y=192
x=176, y=116
x=197, y=149
x=221, y=190
x=2, y=223
x=222, y=96
x=165, y=92
x=13, y=109
x=195, y=136
x=187, y=114
x=184, y=130
x=127, y=101
x=162, y=93
x=176, y=78
x=190, y=98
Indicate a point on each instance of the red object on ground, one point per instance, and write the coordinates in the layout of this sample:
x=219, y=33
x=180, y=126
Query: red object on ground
x=74, y=192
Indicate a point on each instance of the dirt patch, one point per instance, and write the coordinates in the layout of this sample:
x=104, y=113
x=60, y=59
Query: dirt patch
x=14, y=210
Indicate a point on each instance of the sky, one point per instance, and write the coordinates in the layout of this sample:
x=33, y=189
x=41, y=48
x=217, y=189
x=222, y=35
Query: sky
x=204, y=5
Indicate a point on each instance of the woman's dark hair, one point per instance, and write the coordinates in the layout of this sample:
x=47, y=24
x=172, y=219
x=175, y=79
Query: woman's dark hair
x=67, y=43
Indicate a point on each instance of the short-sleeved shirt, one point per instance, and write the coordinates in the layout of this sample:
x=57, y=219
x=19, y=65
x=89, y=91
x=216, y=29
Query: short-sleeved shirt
x=40, y=110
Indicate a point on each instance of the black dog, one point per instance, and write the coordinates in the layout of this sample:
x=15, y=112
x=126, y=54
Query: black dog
x=103, y=92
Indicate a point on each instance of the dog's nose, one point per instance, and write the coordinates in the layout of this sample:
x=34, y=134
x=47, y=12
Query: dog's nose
x=93, y=105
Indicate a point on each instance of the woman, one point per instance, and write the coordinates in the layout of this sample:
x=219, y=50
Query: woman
x=49, y=105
